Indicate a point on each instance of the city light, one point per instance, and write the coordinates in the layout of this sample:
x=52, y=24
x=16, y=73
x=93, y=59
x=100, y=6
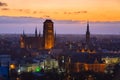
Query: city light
x=38, y=69
x=12, y=66
x=67, y=60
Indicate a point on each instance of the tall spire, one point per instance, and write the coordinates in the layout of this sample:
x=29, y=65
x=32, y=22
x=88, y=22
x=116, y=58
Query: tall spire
x=36, y=32
x=87, y=34
x=23, y=33
x=88, y=26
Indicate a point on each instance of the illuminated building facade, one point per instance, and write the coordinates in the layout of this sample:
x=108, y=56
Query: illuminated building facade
x=111, y=60
x=96, y=67
x=48, y=34
x=31, y=41
x=38, y=42
x=79, y=66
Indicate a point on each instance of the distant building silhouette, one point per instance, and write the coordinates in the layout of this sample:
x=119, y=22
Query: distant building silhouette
x=31, y=41
x=87, y=34
x=37, y=41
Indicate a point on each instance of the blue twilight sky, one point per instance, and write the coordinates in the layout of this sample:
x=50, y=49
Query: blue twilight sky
x=28, y=24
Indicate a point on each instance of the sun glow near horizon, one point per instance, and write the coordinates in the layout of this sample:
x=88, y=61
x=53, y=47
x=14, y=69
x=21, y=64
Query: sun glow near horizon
x=93, y=10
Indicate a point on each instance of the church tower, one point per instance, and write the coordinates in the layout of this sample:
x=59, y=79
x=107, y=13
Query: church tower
x=87, y=34
x=48, y=34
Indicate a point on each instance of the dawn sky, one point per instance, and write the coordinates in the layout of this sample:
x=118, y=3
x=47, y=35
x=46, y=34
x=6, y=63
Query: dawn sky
x=69, y=16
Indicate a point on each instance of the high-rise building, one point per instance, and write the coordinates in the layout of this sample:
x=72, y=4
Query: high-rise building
x=87, y=34
x=48, y=34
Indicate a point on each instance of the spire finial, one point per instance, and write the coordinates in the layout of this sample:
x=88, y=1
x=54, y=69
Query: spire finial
x=87, y=34
x=88, y=26
x=23, y=32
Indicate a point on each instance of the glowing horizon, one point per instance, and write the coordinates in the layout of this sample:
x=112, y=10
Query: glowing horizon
x=103, y=15
x=92, y=10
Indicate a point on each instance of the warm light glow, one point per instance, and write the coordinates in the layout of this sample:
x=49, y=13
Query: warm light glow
x=83, y=50
x=49, y=46
x=12, y=66
x=22, y=45
x=92, y=67
x=49, y=34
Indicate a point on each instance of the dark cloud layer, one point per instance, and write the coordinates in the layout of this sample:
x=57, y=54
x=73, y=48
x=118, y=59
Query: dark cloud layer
x=46, y=16
x=26, y=20
x=3, y=4
x=23, y=10
x=77, y=12
x=5, y=9
x=18, y=20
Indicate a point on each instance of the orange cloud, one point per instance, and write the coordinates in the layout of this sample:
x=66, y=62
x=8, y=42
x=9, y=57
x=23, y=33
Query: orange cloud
x=5, y=9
